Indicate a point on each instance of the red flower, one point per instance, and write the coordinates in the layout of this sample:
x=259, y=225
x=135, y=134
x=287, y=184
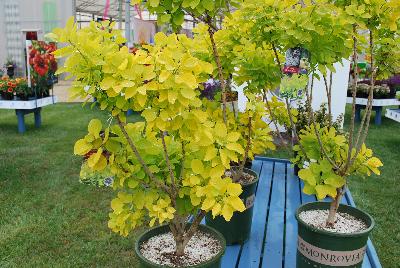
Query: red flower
x=32, y=53
x=40, y=65
x=9, y=84
x=10, y=90
x=51, y=47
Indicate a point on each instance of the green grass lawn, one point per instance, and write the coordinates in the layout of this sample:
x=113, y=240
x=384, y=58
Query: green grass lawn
x=49, y=219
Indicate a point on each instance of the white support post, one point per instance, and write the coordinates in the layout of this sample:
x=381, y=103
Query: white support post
x=128, y=22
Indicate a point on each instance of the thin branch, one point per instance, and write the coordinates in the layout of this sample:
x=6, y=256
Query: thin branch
x=353, y=109
x=246, y=152
x=294, y=130
x=195, y=224
x=321, y=145
x=219, y=66
x=274, y=120
x=141, y=161
x=171, y=173
x=367, y=116
x=276, y=56
x=182, y=161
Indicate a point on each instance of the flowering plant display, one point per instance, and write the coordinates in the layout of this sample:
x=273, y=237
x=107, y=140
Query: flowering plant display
x=42, y=64
x=14, y=87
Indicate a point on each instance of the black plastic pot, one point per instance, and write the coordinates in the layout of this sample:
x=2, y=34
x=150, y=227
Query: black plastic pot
x=237, y=230
x=215, y=262
x=10, y=71
x=320, y=248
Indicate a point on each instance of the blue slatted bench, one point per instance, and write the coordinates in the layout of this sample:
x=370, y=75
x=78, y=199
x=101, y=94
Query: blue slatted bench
x=273, y=238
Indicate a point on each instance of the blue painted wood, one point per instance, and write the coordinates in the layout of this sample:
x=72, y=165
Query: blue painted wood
x=264, y=158
x=256, y=166
x=273, y=246
x=21, y=120
x=251, y=251
x=38, y=117
x=231, y=256
x=366, y=263
x=293, y=201
x=371, y=251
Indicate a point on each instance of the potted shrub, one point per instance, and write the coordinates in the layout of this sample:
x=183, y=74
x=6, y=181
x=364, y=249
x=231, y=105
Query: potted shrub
x=213, y=45
x=322, y=118
x=10, y=67
x=253, y=134
x=160, y=166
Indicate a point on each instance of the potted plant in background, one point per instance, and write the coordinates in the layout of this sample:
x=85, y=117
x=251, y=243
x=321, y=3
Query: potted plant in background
x=245, y=135
x=7, y=88
x=10, y=67
x=42, y=66
x=23, y=91
x=160, y=167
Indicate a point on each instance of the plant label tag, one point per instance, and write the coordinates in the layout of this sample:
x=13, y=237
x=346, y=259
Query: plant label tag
x=330, y=257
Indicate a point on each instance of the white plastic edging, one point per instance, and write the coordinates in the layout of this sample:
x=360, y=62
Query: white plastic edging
x=375, y=102
x=27, y=105
x=393, y=114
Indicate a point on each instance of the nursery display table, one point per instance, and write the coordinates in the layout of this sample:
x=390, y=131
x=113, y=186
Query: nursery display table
x=393, y=114
x=26, y=107
x=273, y=238
x=377, y=106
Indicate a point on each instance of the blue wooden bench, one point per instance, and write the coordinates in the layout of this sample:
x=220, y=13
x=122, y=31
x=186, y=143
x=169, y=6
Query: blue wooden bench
x=23, y=108
x=273, y=238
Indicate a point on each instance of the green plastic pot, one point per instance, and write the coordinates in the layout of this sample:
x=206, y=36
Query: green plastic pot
x=320, y=248
x=237, y=230
x=215, y=262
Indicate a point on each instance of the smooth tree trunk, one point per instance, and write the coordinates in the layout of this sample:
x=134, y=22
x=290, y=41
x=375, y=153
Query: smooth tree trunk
x=330, y=222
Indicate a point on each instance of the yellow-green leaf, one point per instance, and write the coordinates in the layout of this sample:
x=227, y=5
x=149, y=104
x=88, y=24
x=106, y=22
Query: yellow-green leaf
x=186, y=78
x=236, y=203
x=234, y=189
x=197, y=166
x=208, y=204
x=188, y=93
x=325, y=190
x=82, y=147
x=211, y=153
x=94, y=127
x=235, y=147
x=227, y=212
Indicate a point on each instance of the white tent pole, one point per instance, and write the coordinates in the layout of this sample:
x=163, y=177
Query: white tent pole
x=120, y=14
x=127, y=22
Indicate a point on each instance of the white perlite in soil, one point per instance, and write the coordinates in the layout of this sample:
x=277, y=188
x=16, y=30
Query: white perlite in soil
x=160, y=250
x=345, y=223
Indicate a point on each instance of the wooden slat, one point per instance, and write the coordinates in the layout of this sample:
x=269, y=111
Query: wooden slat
x=373, y=258
x=273, y=246
x=366, y=263
x=292, y=203
x=270, y=159
x=251, y=251
x=256, y=166
x=231, y=256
